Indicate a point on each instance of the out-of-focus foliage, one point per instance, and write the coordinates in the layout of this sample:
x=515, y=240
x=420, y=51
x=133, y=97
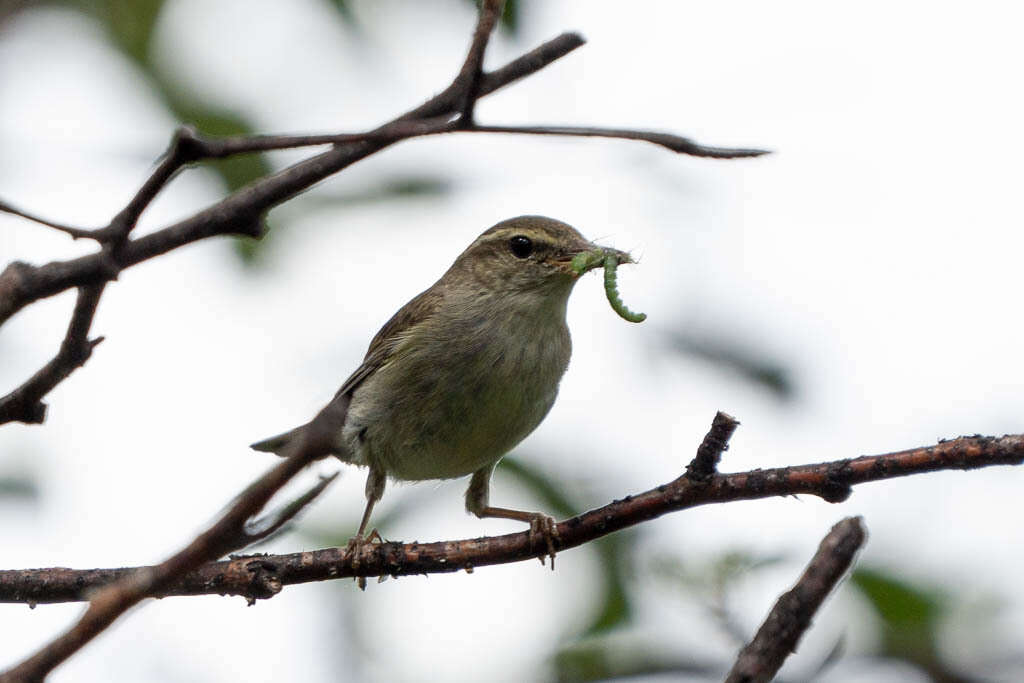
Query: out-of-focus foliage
x=910, y=616
x=613, y=607
x=598, y=656
x=18, y=488
x=711, y=582
x=729, y=354
x=399, y=187
x=510, y=17
x=131, y=25
x=611, y=658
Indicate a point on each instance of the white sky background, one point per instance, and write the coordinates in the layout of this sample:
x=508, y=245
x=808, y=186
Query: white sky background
x=877, y=253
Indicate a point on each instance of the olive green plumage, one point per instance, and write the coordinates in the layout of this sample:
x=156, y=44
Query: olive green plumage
x=468, y=368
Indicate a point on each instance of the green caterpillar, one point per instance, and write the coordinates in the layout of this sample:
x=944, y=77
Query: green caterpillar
x=611, y=290
x=611, y=259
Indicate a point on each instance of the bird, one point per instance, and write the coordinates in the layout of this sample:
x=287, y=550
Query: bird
x=465, y=370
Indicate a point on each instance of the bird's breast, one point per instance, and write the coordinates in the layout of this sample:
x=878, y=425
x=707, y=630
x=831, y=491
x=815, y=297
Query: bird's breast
x=460, y=393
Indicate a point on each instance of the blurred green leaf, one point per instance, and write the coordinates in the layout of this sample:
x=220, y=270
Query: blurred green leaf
x=718, y=573
x=606, y=658
x=615, y=550
x=236, y=172
x=711, y=582
x=131, y=24
x=19, y=488
x=344, y=8
x=400, y=186
x=910, y=614
x=747, y=361
x=511, y=16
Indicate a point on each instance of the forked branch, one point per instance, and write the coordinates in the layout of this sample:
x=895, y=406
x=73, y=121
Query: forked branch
x=246, y=576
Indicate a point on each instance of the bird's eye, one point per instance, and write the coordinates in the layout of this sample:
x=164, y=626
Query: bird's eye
x=521, y=246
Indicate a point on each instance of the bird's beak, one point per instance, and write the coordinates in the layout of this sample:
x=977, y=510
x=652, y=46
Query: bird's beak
x=592, y=256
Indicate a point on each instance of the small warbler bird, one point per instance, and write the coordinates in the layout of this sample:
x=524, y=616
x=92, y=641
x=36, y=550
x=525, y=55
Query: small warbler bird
x=467, y=369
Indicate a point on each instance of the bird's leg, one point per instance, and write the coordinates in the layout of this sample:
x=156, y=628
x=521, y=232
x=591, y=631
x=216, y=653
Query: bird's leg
x=477, y=496
x=375, y=481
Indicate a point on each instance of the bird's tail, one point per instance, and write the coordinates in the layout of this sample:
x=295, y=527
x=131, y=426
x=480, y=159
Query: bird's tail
x=277, y=444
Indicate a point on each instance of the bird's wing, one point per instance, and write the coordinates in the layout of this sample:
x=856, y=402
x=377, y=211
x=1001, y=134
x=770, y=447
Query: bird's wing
x=390, y=337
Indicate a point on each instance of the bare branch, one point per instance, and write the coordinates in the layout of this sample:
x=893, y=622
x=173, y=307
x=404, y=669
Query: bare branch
x=791, y=616
x=221, y=147
x=675, y=143
x=76, y=233
x=21, y=284
x=472, y=69
x=705, y=463
x=24, y=404
x=181, y=151
x=830, y=480
x=265, y=527
x=239, y=213
x=222, y=537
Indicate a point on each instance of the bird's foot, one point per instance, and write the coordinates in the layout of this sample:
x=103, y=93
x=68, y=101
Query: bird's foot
x=546, y=527
x=354, y=551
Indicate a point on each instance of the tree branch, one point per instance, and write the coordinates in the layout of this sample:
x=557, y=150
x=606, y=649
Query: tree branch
x=472, y=69
x=24, y=404
x=669, y=141
x=75, y=233
x=778, y=636
x=705, y=463
x=246, y=576
x=239, y=212
x=226, y=534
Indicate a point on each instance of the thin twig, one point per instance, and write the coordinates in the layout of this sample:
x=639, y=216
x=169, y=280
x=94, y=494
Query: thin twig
x=218, y=148
x=265, y=527
x=181, y=151
x=21, y=284
x=791, y=616
x=76, y=233
x=472, y=69
x=669, y=141
x=705, y=463
x=223, y=536
x=25, y=404
x=238, y=213
x=221, y=147
x=826, y=480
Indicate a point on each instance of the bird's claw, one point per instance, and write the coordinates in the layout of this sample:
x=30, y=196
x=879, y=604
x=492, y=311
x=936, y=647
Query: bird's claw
x=545, y=526
x=354, y=550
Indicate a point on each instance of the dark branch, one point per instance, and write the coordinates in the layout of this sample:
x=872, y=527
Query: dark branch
x=76, y=233
x=24, y=404
x=675, y=143
x=265, y=527
x=705, y=463
x=830, y=480
x=791, y=616
x=472, y=69
x=221, y=147
x=217, y=148
x=21, y=284
x=239, y=213
x=226, y=534
x=181, y=151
